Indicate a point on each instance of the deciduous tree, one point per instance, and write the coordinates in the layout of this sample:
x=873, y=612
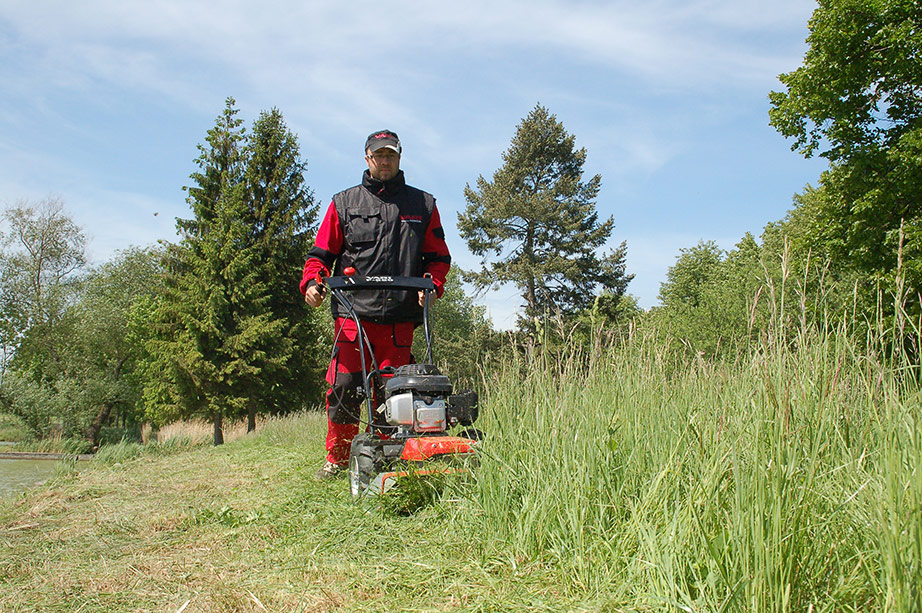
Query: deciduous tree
x=857, y=100
x=712, y=300
x=103, y=353
x=41, y=262
x=463, y=337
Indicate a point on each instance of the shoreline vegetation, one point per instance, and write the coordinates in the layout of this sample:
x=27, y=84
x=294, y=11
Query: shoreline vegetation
x=623, y=479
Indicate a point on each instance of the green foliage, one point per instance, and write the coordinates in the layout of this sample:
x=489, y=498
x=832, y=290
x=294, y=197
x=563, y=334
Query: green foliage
x=535, y=224
x=38, y=406
x=609, y=320
x=464, y=341
x=40, y=266
x=719, y=303
x=858, y=88
x=186, y=366
x=103, y=354
x=13, y=429
x=92, y=378
x=697, y=309
x=687, y=280
x=231, y=336
x=71, y=363
x=282, y=213
x=610, y=314
x=856, y=100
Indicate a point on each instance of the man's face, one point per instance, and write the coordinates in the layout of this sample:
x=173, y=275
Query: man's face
x=383, y=164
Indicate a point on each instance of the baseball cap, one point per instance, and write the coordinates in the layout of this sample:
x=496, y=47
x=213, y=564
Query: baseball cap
x=382, y=138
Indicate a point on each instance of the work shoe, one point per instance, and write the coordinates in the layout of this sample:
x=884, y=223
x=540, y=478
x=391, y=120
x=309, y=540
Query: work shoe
x=329, y=471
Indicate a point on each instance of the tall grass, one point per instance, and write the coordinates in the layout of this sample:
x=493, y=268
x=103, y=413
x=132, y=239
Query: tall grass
x=789, y=481
x=619, y=480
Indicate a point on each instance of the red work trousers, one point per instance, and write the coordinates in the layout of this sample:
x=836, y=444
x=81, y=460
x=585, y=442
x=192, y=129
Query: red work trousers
x=390, y=344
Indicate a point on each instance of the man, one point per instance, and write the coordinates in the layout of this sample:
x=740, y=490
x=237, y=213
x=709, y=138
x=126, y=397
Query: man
x=382, y=227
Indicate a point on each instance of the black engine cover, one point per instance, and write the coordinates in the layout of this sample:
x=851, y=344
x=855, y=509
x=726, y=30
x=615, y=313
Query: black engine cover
x=420, y=378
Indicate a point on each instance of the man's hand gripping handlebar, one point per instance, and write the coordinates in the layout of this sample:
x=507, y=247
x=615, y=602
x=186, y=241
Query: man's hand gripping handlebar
x=315, y=294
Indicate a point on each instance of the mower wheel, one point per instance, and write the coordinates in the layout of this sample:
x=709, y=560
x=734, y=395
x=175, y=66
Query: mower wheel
x=364, y=462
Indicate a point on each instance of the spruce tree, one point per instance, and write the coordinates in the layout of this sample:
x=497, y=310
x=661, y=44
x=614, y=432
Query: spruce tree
x=232, y=331
x=281, y=217
x=535, y=225
x=197, y=312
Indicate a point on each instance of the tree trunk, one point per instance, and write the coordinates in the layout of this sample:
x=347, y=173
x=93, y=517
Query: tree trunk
x=92, y=433
x=251, y=415
x=218, y=429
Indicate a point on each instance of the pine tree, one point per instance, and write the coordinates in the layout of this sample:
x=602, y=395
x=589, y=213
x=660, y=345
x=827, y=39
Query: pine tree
x=535, y=224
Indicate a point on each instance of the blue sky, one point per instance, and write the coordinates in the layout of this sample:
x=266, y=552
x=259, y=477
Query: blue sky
x=103, y=102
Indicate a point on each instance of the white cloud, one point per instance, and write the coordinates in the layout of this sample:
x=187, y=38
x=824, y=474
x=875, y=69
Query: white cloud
x=336, y=68
x=634, y=81
x=147, y=43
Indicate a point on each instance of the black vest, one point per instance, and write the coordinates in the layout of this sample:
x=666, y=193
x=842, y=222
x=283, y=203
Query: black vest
x=384, y=225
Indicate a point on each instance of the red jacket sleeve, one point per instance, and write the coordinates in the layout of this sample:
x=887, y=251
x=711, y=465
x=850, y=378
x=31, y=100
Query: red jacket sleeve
x=436, y=258
x=327, y=247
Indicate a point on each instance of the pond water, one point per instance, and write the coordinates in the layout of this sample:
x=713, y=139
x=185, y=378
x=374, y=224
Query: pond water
x=18, y=475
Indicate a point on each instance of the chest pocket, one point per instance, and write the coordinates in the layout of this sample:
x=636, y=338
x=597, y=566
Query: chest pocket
x=364, y=228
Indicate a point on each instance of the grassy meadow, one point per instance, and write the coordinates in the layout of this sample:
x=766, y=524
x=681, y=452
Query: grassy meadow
x=616, y=480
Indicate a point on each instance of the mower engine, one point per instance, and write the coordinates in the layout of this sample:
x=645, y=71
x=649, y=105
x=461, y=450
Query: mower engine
x=421, y=408
x=418, y=400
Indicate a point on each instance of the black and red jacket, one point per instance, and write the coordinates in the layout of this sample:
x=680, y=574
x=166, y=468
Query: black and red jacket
x=381, y=229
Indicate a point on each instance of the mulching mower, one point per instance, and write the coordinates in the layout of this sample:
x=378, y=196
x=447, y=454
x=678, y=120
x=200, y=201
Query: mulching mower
x=408, y=432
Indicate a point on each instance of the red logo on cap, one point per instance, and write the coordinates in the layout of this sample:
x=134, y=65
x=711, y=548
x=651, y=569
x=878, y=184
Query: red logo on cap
x=382, y=135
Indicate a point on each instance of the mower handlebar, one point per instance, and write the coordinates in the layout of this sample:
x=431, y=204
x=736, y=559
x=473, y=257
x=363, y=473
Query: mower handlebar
x=379, y=282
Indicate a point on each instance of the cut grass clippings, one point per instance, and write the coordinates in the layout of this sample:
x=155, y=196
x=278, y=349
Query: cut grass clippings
x=241, y=527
